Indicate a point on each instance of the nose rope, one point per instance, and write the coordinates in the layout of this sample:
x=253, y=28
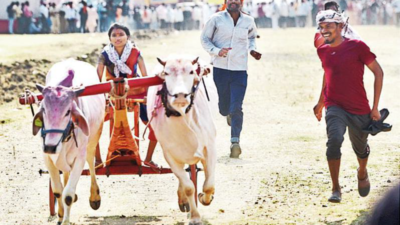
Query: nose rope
x=66, y=133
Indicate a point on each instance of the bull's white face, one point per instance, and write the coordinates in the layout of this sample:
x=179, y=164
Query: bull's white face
x=180, y=76
x=57, y=107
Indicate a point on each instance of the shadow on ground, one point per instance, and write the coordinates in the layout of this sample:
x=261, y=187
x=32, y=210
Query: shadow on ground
x=132, y=220
x=122, y=220
x=362, y=218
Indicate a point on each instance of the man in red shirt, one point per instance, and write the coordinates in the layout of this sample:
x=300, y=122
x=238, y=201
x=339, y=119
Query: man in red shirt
x=344, y=97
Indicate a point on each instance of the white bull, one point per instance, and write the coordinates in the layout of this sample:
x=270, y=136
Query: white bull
x=185, y=131
x=71, y=128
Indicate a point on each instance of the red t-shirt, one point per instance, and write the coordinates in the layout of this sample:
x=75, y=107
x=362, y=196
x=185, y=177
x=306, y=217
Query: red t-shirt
x=344, y=73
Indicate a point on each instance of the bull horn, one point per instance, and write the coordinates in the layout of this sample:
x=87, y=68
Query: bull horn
x=40, y=87
x=195, y=61
x=161, y=62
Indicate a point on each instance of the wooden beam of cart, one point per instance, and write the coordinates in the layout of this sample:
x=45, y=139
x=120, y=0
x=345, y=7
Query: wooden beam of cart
x=101, y=88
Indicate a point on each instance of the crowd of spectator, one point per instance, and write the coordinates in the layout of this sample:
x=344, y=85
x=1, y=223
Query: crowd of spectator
x=69, y=18
x=302, y=13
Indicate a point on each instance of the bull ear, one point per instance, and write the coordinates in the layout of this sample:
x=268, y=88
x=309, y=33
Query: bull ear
x=80, y=119
x=37, y=122
x=195, y=61
x=40, y=87
x=161, y=62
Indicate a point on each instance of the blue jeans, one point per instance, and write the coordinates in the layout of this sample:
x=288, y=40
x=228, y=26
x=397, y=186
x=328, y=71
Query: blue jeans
x=231, y=87
x=10, y=25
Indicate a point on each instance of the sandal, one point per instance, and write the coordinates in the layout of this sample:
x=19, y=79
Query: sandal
x=336, y=197
x=152, y=166
x=363, y=185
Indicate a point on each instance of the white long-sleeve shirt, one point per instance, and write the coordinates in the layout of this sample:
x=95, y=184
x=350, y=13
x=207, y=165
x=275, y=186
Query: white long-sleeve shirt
x=220, y=32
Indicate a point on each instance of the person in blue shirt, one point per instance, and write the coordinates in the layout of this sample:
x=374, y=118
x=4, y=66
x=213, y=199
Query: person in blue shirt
x=228, y=37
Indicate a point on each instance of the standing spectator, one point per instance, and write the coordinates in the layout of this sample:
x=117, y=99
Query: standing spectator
x=247, y=8
x=55, y=18
x=11, y=17
x=18, y=16
x=118, y=15
x=261, y=15
x=161, y=15
x=154, y=19
x=63, y=20
x=196, y=16
x=314, y=11
x=44, y=17
x=146, y=17
x=284, y=11
x=102, y=12
x=93, y=17
x=27, y=17
x=374, y=12
x=292, y=15
x=111, y=13
x=179, y=18
x=137, y=17
x=254, y=14
x=125, y=12
x=274, y=15
x=267, y=8
x=343, y=5
x=396, y=5
x=309, y=13
x=169, y=20
x=187, y=18
x=206, y=13
x=83, y=13
x=70, y=16
x=389, y=12
x=225, y=34
x=302, y=12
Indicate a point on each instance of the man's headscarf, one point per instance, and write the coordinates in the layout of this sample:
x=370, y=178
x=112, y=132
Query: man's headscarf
x=329, y=16
x=223, y=7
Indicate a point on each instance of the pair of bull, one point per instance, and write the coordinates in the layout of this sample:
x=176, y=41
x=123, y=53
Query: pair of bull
x=72, y=126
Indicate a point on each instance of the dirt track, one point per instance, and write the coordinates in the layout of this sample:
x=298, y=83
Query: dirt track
x=282, y=176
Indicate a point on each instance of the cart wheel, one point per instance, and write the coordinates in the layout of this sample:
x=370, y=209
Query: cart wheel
x=52, y=201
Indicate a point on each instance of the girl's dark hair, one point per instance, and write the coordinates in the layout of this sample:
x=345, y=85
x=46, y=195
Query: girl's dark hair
x=119, y=26
x=330, y=4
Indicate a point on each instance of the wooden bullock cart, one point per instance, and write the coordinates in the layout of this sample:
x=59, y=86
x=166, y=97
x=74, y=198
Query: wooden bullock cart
x=123, y=156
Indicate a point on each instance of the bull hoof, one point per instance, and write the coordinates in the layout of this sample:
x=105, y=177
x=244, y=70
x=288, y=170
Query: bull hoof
x=59, y=223
x=201, y=195
x=68, y=200
x=76, y=198
x=66, y=223
x=195, y=223
x=95, y=204
x=184, y=207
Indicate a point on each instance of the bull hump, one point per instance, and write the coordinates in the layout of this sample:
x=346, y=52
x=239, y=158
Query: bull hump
x=67, y=82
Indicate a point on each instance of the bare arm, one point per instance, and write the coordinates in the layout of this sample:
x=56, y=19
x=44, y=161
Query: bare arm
x=376, y=69
x=321, y=96
x=320, y=105
x=100, y=70
x=142, y=66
